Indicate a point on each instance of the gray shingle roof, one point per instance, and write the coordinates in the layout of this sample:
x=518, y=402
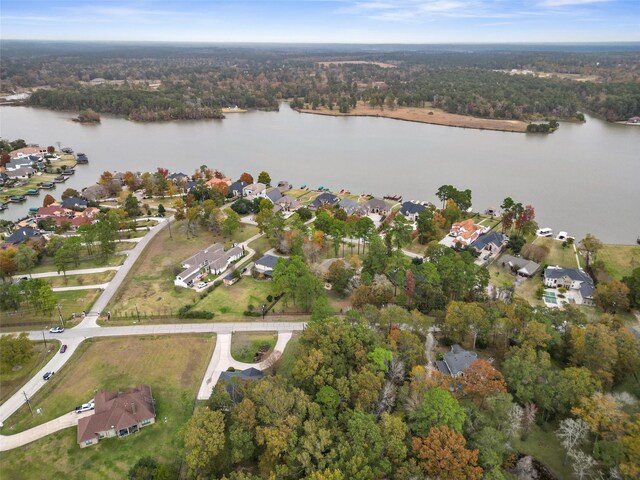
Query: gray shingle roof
x=377, y=204
x=324, y=199
x=274, y=195
x=586, y=287
x=411, y=208
x=268, y=261
x=349, y=206
x=495, y=238
x=457, y=360
x=520, y=263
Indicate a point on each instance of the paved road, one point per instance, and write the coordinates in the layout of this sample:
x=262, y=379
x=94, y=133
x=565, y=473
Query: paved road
x=83, y=271
x=221, y=360
x=9, y=442
x=100, y=286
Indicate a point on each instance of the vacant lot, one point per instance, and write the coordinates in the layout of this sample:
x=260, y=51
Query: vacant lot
x=172, y=365
x=11, y=381
x=70, y=302
x=619, y=260
x=563, y=257
x=75, y=280
x=244, y=345
x=234, y=300
x=149, y=285
x=47, y=265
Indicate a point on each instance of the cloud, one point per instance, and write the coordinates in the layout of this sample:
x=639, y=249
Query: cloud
x=566, y=3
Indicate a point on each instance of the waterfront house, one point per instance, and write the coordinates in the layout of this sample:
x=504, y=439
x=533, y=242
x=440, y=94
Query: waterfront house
x=21, y=152
x=178, y=177
x=456, y=361
x=255, y=190
x=466, y=232
x=325, y=198
x=74, y=202
x=522, y=266
x=351, y=207
x=20, y=236
x=376, y=206
x=287, y=204
x=274, y=195
x=117, y=414
x=219, y=182
x=213, y=260
x=283, y=186
x=20, y=173
x=236, y=188
x=266, y=264
x=411, y=210
x=577, y=282
x=95, y=192
x=492, y=242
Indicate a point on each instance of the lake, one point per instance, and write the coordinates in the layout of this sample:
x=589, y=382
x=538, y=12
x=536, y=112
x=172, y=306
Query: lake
x=583, y=178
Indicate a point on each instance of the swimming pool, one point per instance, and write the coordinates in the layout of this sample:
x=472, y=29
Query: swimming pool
x=550, y=297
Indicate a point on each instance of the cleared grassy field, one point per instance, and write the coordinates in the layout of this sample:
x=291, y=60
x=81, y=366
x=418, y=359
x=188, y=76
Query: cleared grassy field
x=70, y=302
x=10, y=382
x=244, y=345
x=235, y=299
x=75, y=280
x=149, y=285
x=290, y=355
x=545, y=446
x=117, y=363
x=619, y=260
x=47, y=265
x=563, y=257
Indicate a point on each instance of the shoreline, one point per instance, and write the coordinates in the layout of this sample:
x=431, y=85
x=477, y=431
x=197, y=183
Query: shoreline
x=426, y=116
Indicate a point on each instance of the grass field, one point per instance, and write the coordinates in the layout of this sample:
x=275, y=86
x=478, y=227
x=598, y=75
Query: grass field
x=235, y=299
x=545, y=446
x=75, y=280
x=116, y=363
x=244, y=345
x=47, y=265
x=70, y=302
x=499, y=276
x=10, y=382
x=619, y=260
x=149, y=285
x=290, y=355
x=563, y=257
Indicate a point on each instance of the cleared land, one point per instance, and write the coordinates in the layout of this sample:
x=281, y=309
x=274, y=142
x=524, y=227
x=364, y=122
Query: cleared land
x=47, y=264
x=244, y=345
x=11, y=381
x=234, y=300
x=544, y=445
x=70, y=302
x=563, y=257
x=619, y=260
x=149, y=285
x=172, y=365
x=79, y=280
x=427, y=115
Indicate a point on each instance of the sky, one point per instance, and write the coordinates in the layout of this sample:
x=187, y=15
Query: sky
x=328, y=21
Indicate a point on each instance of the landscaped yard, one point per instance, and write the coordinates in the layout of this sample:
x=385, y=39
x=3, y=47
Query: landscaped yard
x=149, y=286
x=11, y=381
x=563, y=257
x=619, y=260
x=500, y=276
x=244, y=345
x=234, y=300
x=173, y=366
x=74, y=301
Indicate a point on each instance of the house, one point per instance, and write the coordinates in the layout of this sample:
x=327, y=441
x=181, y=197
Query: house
x=117, y=414
x=232, y=380
x=456, y=361
x=211, y=260
x=492, y=242
x=255, y=190
x=287, y=204
x=283, y=186
x=20, y=173
x=74, y=202
x=274, y=195
x=411, y=210
x=266, y=264
x=4, y=178
x=350, y=207
x=466, y=232
x=24, y=161
x=53, y=211
x=178, y=177
x=21, y=152
x=215, y=182
x=95, y=192
x=19, y=236
x=575, y=280
x=522, y=266
x=236, y=188
x=229, y=279
x=325, y=198
x=377, y=206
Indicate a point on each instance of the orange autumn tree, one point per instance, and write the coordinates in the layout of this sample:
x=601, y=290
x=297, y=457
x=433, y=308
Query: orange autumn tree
x=481, y=380
x=442, y=455
x=246, y=177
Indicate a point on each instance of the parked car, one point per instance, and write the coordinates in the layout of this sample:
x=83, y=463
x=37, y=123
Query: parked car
x=48, y=375
x=85, y=407
x=202, y=285
x=63, y=349
x=56, y=330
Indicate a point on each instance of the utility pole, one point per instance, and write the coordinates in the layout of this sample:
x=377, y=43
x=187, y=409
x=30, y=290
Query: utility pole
x=137, y=313
x=60, y=315
x=169, y=225
x=28, y=402
x=44, y=339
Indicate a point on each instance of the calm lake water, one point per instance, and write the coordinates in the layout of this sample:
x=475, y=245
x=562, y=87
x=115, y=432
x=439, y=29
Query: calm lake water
x=583, y=178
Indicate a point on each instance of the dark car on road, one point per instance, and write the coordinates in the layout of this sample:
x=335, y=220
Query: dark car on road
x=48, y=375
x=63, y=349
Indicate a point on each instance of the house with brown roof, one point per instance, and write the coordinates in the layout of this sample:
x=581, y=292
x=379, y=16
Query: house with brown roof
x=466, y=232
x=26, y=151
x=117, y=414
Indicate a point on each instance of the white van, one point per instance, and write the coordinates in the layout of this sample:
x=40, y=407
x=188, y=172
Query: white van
x=85, y=407
x=544, y=232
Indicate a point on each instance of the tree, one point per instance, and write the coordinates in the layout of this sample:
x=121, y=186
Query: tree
x=589, y=246
x=25, y=259
x=204, y=442
x=131, y=206
x=427, y=229
x=246, y=177
x=463, y=319
x=305, y=214
x=231, y=224
x=481, y=380
x=602, y=413
x=62, y=259
x=633, y=283
x=442, y=454
x=582, y=464
x=594, y=347
x=15, y=349
x=364, y=229
x=48, y=200
x=70, y=192
x=265, y=178
x=147, y=468
x=400, y=231
x=438, y=408
x=161, y=210
x=612, y=297
x=525, y=370
x=572, y=432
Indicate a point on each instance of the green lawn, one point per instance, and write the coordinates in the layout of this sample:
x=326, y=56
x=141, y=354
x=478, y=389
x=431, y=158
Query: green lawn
x=619, y=260
x=290, y=355
x=563, y=257
x=244, y=345
x=86, y=279
x=70, y=302
x=11, y=381
x=47, y=265
x=499, y=276
x=527, y=290
x=115, y=363
x=544, y=445
x=235, y=299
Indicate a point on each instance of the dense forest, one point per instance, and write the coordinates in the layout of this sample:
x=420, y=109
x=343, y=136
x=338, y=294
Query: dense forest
x=161, y=82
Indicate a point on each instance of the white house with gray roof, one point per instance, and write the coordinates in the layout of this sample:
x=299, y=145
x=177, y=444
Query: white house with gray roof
x=211, y=260
x=522, y=266
x=255, y=190
x=411, y=210
x=349, y=206
x=575, y=280
x=375, y=205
